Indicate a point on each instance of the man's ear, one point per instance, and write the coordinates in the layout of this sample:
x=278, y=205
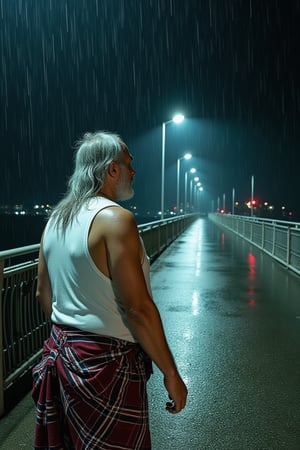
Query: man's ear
x=113, y=169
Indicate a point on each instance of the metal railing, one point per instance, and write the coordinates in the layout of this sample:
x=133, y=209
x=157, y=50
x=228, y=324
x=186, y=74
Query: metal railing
x=23, y=325
x=277, y=238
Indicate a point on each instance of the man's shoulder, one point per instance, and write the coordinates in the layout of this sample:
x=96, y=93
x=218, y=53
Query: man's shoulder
x=115, y=211
x=115, y=219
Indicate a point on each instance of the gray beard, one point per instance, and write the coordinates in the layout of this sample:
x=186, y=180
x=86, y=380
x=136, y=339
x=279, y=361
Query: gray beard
x=122, y=196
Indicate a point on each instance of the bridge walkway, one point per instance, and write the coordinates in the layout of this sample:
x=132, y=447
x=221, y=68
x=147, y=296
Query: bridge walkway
x=232, y=318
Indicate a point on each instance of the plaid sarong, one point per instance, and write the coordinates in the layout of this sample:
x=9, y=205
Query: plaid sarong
x=90, y=393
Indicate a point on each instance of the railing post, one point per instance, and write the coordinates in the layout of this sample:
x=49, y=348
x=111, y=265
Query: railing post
x=1, y=340
x=288, y=246
x=159, y=238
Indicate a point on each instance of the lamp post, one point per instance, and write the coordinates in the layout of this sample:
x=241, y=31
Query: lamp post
x=200, y=190
x=196, y=194
x=195, y=179
x=252, y=195
x=192, y=170
x=178, y=118
x=186, y=156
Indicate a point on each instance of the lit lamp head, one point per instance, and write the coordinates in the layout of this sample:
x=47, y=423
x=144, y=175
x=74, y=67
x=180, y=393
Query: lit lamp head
x=178, y=118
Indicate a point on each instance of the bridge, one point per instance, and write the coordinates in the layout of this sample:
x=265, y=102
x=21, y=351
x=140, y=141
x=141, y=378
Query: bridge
x=231, y=311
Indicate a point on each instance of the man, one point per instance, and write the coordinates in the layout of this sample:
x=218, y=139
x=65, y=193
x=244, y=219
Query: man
x=93, y=281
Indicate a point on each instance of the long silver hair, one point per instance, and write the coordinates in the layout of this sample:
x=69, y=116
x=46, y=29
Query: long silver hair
x=94, y=153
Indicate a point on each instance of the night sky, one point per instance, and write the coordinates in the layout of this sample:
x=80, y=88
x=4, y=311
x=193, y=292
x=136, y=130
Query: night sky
x=230, y=66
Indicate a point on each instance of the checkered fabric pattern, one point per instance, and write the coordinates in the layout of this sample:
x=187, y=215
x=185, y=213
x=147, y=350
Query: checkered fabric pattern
x=90, y=393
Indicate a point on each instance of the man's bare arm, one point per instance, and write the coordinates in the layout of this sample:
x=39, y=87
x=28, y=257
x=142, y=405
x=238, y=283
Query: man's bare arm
x=123, y=251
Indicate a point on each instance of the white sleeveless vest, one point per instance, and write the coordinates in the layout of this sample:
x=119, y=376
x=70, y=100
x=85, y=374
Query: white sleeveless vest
x=83, y=296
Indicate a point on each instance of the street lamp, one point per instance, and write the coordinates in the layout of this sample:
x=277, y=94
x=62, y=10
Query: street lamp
x=200, y=189
x=196, y=194
x=178, y=118
x=192, y=170
x=195, y=179
x=233, y=200
x=252, y=195
x=186, y=156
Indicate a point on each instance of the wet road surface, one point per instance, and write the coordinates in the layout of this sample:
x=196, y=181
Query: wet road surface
x=232, y=319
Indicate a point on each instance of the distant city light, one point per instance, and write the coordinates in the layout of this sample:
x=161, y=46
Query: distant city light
x=251, y=203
